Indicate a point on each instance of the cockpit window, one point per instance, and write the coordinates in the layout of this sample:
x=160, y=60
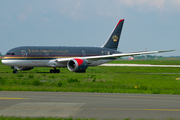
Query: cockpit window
x=8, y=53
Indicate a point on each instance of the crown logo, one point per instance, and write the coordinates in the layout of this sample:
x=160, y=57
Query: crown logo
x=115, y=38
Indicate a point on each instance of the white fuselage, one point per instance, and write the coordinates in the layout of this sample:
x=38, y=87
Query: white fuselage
x=46, y=63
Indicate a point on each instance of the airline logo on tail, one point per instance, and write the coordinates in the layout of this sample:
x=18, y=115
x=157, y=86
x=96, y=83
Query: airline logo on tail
x=115, y=38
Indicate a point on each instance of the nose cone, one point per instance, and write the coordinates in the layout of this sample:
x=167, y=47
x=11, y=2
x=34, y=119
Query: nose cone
x=4, y=61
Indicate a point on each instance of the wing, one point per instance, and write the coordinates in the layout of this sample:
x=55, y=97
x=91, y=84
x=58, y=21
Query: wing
x=95, y=58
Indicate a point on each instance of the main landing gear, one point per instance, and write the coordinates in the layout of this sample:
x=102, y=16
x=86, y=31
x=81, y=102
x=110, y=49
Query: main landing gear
x=15, y=71
x=54, y=70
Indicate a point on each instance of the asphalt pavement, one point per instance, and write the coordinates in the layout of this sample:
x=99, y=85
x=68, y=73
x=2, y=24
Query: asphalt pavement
x=89, y=105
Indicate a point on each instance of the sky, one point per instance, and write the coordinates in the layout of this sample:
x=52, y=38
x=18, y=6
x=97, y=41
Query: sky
x=149, y=24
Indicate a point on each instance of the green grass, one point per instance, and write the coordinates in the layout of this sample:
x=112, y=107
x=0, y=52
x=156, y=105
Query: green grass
x=152, y=62
x=150, y=80
x=70, y=118
x=19, y=118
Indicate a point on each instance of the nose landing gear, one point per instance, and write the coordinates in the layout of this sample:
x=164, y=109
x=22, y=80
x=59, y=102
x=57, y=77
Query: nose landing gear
x=54, y=70
x=14, y=69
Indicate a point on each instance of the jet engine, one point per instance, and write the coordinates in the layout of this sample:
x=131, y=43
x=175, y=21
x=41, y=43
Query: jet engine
x=77, y=65
x=24, y=68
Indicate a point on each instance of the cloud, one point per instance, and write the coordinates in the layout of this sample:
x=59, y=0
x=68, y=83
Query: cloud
x=159, y=4
x=178, y=1
x=22, y=16
x=29, y=9
x=76, y=12
x=145, y=4
x=73, y=9
x=80, y=9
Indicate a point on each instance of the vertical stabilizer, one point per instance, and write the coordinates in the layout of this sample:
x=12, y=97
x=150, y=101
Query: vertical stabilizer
x=113, y=41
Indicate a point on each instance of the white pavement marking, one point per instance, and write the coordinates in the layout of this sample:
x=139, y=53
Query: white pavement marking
x=140, y=65
x=45, y=109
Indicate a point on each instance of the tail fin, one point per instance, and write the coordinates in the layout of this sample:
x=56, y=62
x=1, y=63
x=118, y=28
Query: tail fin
x=113, y=41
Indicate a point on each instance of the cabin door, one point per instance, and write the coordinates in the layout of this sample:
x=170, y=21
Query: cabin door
x=83, y=53
x=24, y=54
x=46, y=54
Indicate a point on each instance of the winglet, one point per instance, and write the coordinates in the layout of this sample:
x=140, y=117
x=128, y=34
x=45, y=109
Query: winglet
x=167, y=51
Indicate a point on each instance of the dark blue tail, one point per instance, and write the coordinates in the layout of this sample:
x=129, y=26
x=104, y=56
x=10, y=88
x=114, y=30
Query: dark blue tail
x=113, y=41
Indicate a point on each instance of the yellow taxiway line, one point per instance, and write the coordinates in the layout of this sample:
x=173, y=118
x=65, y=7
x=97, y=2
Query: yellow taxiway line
x=109, y=109
x=12, y=98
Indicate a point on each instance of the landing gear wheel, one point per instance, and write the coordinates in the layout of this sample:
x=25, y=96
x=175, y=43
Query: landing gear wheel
x=54, y=70
x=15, y=71
x=57, y=71
x=51, y=71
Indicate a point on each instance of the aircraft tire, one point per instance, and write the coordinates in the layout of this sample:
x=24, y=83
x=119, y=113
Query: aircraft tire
x=15, y=71
x=51, y=71
x=57, y=71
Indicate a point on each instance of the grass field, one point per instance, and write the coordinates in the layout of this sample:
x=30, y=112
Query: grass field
x=18, y=118
x=151, y=80
x=152, y=62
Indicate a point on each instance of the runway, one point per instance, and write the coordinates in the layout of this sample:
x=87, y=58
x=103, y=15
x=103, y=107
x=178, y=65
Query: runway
x=89, y=105
x=140, y=65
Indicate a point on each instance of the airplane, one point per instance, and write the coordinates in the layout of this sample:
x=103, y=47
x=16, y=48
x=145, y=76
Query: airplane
x=76, y=59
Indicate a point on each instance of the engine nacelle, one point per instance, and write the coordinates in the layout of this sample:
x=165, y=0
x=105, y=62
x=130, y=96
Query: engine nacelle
x=24, y=68
x=77, y=65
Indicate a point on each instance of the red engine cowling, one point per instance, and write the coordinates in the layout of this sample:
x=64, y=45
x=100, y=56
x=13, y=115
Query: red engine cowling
x=77, y=65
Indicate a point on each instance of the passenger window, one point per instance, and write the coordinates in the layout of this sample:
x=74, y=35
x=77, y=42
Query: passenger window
x=12, y=53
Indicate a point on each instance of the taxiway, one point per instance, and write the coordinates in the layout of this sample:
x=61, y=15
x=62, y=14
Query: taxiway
x=89, y=105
